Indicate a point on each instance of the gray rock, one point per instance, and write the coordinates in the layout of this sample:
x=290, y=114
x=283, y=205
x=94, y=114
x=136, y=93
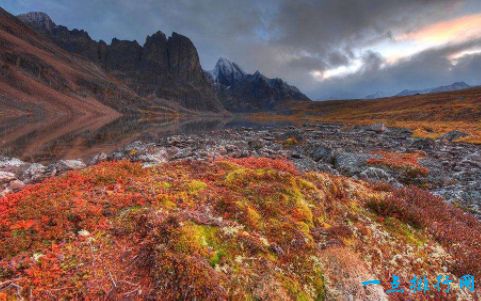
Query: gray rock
x=322, y=153
x=16, y=185
x=423, y=144
x=70, y=164
x=377, y=127
x=10, y=162
x=375, y=174
x=34, y=173
x=453, y=135
x=160, y=155
x=100, y=157
x=256, y=143
x=350, y=163
x=327, y=168
x=6, y=177
x=13, y=165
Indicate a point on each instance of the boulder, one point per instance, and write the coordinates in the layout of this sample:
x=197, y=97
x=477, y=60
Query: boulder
x=350, y=163
x=34, y=173
x=13, y=165
x=159, y=155
x=377, y=127
x=16, y=185
x=100, y=157
x=375, y=174
x=70, y=164
x=322, y=153
x=6, y=177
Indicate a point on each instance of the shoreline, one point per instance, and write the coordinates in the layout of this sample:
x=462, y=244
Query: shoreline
x=448, y=169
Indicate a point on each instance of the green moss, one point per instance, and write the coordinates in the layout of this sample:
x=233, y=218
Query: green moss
x=234, y=175
x=196, y=186
x=164, y=185
x=404, y=231
x=299, y=201
x=203, y=239
x=216, y=258
x=168, y=203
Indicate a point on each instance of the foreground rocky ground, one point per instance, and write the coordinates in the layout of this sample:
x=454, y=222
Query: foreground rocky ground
x=373, y=153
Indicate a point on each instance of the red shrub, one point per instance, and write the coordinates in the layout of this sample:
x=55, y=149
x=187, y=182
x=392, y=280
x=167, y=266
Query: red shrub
x=459, y=232
x=278, y=164
x=408, y=162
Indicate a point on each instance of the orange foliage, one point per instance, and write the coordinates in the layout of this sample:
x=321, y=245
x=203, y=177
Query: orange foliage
x=250, y=228
x=276, y=164
x=408, y=162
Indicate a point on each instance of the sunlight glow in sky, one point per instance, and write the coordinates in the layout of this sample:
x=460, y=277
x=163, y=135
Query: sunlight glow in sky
x=402, y=46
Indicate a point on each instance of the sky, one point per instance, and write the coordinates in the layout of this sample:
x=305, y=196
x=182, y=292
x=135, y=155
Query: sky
x=330, y=49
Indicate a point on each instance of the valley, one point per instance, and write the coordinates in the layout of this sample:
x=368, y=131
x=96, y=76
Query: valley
x=129, y=171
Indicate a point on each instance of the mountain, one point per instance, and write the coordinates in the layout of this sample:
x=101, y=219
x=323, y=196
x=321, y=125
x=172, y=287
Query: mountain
x=227, y=73
x=242, y=92
x=453, y=87
x=39, y=78
x=162, y=67
x=376, y=95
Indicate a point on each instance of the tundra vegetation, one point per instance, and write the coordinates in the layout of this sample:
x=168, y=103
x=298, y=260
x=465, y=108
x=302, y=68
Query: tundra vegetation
x=240, y=229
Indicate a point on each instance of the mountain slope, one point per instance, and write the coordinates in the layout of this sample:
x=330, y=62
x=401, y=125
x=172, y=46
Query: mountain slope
x=448, y=88
x=162, y=68
x=242, y=92
x=37, y=77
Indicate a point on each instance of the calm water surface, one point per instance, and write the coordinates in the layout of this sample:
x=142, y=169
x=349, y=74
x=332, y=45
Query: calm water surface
x=38, y=139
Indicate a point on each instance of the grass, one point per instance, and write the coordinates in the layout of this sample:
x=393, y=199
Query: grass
x=429, y=116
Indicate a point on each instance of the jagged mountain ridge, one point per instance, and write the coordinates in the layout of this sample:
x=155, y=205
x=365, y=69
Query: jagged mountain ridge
x=39, y=78
x=163, y=67
x=242, y=92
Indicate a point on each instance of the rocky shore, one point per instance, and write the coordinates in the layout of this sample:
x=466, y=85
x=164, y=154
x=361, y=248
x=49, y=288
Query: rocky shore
x=446, y=168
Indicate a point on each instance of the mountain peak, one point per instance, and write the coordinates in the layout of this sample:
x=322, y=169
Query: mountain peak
x=38, y=20
x=227, y=72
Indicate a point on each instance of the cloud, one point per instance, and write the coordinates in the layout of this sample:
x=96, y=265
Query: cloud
x=350, y=40
x=427, y=69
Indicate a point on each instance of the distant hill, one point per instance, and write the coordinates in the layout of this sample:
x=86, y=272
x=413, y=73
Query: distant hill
x=378, y=94
x=242, y=92
x=448, y=88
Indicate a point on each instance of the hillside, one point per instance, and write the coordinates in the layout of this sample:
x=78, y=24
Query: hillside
x=249, y=229
x=37, y=77
x=430, y=115
x=447, y=88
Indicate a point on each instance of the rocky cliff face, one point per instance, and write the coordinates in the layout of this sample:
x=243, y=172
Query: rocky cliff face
x=242, y=92
x=163, y=67
x=38, y=78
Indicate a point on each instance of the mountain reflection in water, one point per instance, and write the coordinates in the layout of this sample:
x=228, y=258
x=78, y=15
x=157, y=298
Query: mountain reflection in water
x=36, y=139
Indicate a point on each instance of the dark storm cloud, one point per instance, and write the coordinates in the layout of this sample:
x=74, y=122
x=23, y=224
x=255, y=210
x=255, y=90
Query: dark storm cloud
x=283, y=38
x=322, y=25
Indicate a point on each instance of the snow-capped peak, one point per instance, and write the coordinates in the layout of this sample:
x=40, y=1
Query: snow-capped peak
x=227, y=72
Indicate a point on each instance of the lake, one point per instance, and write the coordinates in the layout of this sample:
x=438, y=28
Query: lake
x=37, y=139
